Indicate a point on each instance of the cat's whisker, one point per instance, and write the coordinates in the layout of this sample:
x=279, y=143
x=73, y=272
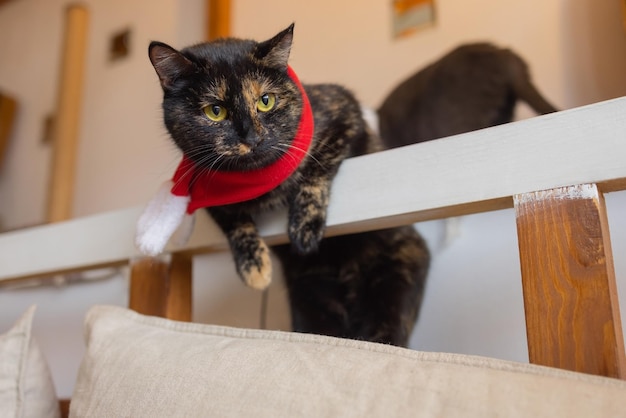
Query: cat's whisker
x=288, y=148
x=196, y=167
x=213, y=165
x=214, y=169
x=188, y=172
x=198, y=151
x=286, y=154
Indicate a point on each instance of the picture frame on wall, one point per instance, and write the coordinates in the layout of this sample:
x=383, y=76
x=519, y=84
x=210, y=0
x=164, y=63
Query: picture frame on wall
x=411, y=16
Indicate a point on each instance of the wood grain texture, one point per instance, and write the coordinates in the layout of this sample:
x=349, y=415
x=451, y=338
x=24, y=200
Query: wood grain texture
x=570, y=295
x=67, y=120
x=179, y=299
x=161, y=286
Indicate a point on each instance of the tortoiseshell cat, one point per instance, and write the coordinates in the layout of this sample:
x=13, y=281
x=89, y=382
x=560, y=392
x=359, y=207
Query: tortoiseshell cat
x=472, y=87
x=235, y=106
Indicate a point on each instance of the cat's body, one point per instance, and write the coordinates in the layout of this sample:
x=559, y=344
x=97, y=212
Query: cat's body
x=366, y=286
x=472, y=87
x=305, y=192
x=234, y=106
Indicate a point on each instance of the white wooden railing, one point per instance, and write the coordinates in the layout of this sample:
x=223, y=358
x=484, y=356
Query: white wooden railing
x=558, y=164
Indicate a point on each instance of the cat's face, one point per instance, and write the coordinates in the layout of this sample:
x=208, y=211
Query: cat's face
x=229, y=104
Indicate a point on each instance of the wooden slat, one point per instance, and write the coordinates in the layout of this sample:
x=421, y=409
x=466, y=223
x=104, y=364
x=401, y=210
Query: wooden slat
x=218, y=19
x=161, y=287
x=148, y=286
x=469, y=173
x=179, y=302
x=570, y=295
x=8, y=108
x=69, y=246
x=67, y=118
x=64, y=407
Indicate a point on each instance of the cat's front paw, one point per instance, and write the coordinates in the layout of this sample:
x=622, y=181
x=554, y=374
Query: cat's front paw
x=306, y=232
x=256, y=270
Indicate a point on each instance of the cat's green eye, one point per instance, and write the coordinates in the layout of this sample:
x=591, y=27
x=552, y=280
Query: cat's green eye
x=266, y=102
x=215, y=112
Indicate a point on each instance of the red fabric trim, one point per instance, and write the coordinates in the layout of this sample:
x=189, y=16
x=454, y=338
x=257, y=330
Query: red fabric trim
x=218, y=188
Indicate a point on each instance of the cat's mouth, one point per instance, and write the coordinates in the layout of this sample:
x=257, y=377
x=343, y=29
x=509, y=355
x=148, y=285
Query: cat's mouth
x=246, y=157
x=244, y=149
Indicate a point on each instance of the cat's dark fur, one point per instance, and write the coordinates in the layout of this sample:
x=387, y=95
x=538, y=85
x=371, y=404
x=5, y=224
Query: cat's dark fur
x=472, y=87
x=365, y=286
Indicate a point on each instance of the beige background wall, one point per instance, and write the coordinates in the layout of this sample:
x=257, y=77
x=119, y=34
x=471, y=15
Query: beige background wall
x=576, y=50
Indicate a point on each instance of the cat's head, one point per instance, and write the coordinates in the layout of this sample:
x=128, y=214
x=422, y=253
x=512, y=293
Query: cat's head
x=229, y=104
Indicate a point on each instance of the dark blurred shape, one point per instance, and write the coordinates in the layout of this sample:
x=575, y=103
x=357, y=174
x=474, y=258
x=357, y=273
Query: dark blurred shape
x=473, y=87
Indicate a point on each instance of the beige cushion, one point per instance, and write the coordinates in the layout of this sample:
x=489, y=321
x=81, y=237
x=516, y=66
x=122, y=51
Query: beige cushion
x=26, y=388
x=151, y=367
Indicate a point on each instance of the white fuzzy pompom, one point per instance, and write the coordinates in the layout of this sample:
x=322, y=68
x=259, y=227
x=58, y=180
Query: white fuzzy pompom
x=162, y=216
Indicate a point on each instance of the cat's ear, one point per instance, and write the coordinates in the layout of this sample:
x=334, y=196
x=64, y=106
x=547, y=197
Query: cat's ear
x=275, y=52
x=168, y=63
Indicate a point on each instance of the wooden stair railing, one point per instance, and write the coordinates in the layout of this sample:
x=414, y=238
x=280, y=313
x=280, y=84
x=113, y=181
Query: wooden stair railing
x=570, y=295
x=552, y=169
x=161, y=286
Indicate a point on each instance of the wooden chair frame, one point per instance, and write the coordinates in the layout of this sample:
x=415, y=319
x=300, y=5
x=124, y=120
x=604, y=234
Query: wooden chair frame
x=553, y=170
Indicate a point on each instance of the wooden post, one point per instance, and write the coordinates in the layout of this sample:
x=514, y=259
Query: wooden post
x=217, y=19
x=8, y=107
x=162, y=287
x=570, y=296
x=67, y=116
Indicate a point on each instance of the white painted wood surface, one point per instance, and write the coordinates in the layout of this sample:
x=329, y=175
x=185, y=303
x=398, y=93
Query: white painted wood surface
x=474, y=172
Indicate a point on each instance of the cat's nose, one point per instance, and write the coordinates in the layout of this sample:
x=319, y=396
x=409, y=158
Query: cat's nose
x=252, y=139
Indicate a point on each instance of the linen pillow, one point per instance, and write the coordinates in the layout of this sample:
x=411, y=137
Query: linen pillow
x=26, y=388
x=143, y=366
